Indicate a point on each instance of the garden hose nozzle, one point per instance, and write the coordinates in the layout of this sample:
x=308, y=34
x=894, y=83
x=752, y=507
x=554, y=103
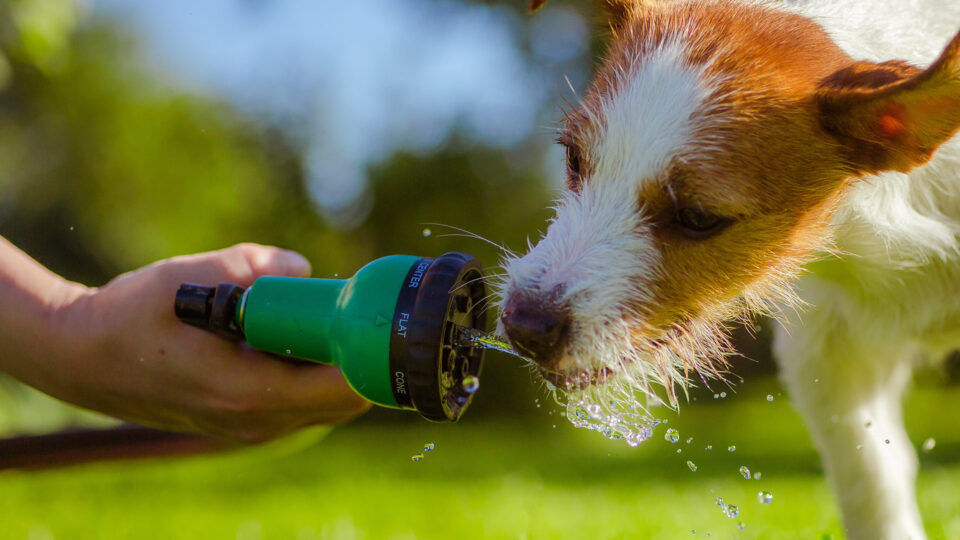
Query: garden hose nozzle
x=393, y=328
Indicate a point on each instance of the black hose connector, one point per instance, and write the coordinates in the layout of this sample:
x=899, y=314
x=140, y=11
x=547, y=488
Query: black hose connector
x=210, y=308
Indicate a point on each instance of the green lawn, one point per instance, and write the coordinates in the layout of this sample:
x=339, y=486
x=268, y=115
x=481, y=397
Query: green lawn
x=486, y=479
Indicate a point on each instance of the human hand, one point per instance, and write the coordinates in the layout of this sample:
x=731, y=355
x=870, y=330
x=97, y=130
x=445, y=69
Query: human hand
x=120, y=350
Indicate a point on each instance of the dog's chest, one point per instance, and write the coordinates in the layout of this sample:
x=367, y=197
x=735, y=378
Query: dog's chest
x=916, y=304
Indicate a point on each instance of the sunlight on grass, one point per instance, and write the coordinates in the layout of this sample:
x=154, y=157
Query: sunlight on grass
x=484, y=480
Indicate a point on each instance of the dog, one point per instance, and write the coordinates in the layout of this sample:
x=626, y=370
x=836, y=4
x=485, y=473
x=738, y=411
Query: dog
x=786, y=157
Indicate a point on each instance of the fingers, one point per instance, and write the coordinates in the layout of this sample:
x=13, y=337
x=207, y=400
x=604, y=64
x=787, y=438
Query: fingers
x=323, y=389
x=265, y=398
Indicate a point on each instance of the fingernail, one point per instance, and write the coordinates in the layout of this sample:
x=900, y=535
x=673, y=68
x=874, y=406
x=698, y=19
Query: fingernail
x=296, y=263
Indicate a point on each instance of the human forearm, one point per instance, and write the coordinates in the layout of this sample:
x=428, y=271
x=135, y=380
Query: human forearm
x=30, y=300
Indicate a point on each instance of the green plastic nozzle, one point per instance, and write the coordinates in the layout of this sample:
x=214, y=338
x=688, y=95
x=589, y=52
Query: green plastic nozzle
x=392, y=328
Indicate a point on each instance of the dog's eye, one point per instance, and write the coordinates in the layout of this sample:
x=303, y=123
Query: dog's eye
x=573, y=167
x=699, y=224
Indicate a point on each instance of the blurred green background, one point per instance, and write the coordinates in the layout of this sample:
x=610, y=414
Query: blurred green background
x=135, y=131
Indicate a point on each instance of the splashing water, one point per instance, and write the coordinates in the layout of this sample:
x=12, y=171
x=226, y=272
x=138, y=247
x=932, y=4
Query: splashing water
x=471, y=337
x=615, y=411
x=765, y=497
x=672, y=435
x=745, y=472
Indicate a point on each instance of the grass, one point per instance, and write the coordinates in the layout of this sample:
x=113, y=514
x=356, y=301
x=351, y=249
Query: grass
x=485, y=479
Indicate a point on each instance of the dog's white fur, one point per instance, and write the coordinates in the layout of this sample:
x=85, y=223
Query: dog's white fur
x=891, y=298
x=884, y=298
x=597, y=235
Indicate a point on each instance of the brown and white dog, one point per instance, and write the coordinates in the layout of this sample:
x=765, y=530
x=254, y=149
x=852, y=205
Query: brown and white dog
x=735, y=156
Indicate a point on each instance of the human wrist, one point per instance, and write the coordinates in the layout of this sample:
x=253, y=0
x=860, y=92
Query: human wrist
x=41, y=329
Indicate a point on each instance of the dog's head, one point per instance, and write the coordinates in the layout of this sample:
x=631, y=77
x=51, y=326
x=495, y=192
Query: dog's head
x=703, y=164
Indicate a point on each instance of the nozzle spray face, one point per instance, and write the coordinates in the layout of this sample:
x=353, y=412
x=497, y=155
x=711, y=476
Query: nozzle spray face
x=393, y=329
x=441, y=297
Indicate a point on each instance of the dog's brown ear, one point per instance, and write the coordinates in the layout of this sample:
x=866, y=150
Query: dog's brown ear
x=893, y=116
x=617, y=10
x=536, y=4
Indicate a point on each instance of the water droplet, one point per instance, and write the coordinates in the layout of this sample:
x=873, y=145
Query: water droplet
x=719, y=501
x=672, y=435
x=429, y=446
x=679, y=450
x=886, y=441
x=289, y=351
x=741, y=526
x=593, y=409
x=416, y=457
x=336, y=275
x=731, y=511
x=816, y=380
x=723, y=395
x=757, y=475
x=689, y=440
x=71, y=227
x=471, y=383
x=765, y=497
x=694, y=531
x=427, y=232
x=692, y=466
x=868, y=424
x=732, y=448
x=859, y=447
x=269, y=389
x=709, y=447
x=716, y=396
x=554, y=426
x=928, y=445
x=769, y=397
x=745, y=472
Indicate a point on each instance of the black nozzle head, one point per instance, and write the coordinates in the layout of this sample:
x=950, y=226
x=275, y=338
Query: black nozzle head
x=441, y=374
x=210, y=308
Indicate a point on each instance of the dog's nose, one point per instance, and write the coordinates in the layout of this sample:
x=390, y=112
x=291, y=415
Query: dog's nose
x=535, y=327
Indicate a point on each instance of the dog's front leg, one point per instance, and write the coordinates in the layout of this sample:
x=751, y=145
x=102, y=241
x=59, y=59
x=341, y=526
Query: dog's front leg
x=848, y=392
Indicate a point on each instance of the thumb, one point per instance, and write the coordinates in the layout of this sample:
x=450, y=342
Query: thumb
x=240, y=264
x=269, y=261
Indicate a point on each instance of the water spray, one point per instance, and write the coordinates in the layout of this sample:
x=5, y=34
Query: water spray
x=394, y=329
